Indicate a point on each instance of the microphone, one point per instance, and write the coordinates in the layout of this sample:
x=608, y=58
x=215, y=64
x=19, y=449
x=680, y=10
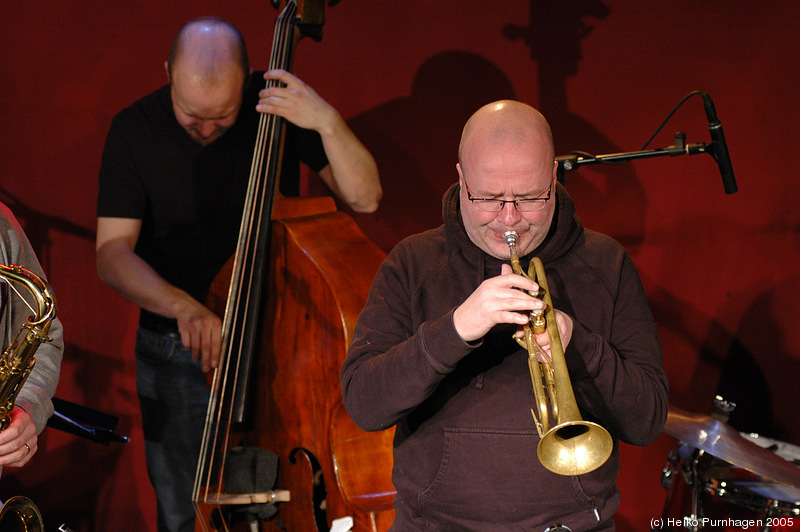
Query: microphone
x=719, y=148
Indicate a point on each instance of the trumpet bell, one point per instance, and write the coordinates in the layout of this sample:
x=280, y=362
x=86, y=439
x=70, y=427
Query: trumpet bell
x=575, y=448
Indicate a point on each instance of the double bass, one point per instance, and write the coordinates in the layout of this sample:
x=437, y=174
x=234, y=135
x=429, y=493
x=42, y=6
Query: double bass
x=279, y=451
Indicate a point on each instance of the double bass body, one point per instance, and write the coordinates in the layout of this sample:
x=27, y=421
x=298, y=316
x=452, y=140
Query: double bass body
x=323, y=266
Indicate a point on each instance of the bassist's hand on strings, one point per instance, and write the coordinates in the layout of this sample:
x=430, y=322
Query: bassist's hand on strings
x=297, y=102
x=200, y=331
x=351, y=173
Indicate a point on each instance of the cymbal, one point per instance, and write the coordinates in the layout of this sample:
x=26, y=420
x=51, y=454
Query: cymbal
x=723, y=441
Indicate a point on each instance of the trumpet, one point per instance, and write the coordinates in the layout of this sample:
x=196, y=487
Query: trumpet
x=568, y=445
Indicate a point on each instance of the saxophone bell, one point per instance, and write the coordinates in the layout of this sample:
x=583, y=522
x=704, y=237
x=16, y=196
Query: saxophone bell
x=20, y=514
x=568, y=445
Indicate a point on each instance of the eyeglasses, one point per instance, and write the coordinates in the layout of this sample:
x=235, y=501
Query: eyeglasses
x=496, y=205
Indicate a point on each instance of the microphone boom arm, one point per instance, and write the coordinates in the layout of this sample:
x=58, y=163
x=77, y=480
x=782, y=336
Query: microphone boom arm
x=718, y=148
x=571, y=161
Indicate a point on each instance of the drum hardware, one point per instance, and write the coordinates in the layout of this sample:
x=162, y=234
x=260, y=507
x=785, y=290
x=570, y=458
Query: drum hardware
x=690, y=472
x=681, y=470
x=717, y=477
x=669, y=470
x=676, y=463
x=724, y=442
x=721, y=409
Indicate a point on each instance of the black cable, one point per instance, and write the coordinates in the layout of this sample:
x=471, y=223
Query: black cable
x=664, y=123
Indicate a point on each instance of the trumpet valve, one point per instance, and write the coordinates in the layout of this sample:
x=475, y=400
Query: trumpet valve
x=538, y=321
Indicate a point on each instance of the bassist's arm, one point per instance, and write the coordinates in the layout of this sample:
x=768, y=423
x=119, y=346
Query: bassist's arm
x=352, y=173
x=122, y=269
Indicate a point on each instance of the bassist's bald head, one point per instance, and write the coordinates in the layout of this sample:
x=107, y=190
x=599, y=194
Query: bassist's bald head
x=211, y=46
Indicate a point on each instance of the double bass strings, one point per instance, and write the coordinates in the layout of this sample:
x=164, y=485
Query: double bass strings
x=216, y=435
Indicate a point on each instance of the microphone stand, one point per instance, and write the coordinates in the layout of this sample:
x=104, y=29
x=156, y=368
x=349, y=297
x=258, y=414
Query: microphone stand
x=567, y=163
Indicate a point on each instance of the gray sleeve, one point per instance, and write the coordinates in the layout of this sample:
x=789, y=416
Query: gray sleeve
x=36, y=395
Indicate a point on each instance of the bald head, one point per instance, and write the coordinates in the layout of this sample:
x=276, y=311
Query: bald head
x=209, y=49
x=507, y=122
x=207, y=71
x=506, y=153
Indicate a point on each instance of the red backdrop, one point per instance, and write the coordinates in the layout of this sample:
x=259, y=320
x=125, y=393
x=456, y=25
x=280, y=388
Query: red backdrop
x=721, y=271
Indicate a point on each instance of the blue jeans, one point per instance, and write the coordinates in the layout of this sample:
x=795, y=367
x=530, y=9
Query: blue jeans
x=173, y=397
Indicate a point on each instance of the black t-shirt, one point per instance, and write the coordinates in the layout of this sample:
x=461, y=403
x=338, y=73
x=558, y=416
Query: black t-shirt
x=189, y=197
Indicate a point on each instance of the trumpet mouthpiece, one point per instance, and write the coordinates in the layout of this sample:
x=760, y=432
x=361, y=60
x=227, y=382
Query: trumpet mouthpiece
x=510, y=237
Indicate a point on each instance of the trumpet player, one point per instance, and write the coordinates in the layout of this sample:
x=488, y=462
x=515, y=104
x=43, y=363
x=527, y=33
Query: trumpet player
x=434, y=353
x=34, y=405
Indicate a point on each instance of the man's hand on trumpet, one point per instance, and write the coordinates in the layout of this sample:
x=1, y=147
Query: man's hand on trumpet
x=565, y=326
x=505, y=299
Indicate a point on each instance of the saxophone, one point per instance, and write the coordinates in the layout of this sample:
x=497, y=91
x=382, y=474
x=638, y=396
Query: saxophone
x=16, y=363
